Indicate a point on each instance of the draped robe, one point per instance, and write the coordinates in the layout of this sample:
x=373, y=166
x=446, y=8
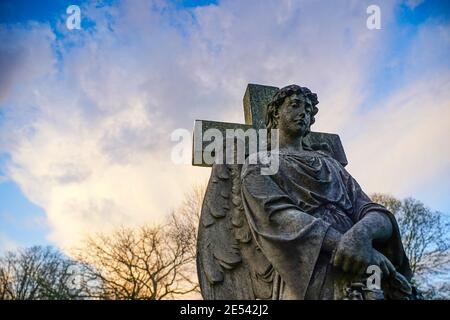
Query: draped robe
x=290, y=212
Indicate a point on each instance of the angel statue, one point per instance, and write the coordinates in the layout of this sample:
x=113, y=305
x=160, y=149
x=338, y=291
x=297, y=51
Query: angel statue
x=307, y=231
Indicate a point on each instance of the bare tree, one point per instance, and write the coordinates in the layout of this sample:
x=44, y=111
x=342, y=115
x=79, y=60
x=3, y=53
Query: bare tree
x=147, y=263
x=185, y=219
x=184, y=222
x=426, y=240
x=39, y=273
x=151, y=262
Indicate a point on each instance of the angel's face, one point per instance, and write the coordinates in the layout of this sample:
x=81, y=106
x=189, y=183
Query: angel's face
x=294, y=116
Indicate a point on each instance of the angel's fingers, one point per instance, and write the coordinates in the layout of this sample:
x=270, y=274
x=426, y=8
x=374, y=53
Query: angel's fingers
x=384, y=268
x=338, y=257
x=358, y=267
x=347, y=264
x=390, y=267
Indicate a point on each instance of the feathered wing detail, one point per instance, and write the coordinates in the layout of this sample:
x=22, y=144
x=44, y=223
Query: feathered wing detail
x=229, y=262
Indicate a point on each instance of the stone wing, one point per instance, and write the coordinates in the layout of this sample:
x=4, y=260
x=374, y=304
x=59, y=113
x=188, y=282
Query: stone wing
x=229, y=262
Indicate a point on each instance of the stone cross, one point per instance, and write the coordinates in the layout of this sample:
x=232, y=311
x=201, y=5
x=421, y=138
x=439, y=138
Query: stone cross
x=256, y=98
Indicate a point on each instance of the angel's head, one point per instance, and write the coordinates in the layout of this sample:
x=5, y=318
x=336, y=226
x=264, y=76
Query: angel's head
x=292, y=110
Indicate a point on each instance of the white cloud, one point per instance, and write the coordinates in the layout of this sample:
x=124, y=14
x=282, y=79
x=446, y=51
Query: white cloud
x=403, y=146
x=412, y=4
x=89, y=135
x=25, y=56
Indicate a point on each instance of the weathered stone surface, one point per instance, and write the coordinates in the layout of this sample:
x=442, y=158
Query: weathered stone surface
x=198, y=146
x=306, y=232
x=255, y=100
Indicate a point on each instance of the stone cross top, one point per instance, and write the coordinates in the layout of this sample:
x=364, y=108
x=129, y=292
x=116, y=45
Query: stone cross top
x=256, y=98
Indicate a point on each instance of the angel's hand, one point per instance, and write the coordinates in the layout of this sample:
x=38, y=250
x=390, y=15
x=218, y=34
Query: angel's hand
x=354, y=253
x=385, y=265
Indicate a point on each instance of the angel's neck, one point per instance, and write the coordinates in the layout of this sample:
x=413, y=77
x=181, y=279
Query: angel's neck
x=290, y=143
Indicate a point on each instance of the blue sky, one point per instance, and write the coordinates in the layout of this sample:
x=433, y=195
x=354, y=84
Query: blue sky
x=36, y=207
x=22, y=222
x=386, y=78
